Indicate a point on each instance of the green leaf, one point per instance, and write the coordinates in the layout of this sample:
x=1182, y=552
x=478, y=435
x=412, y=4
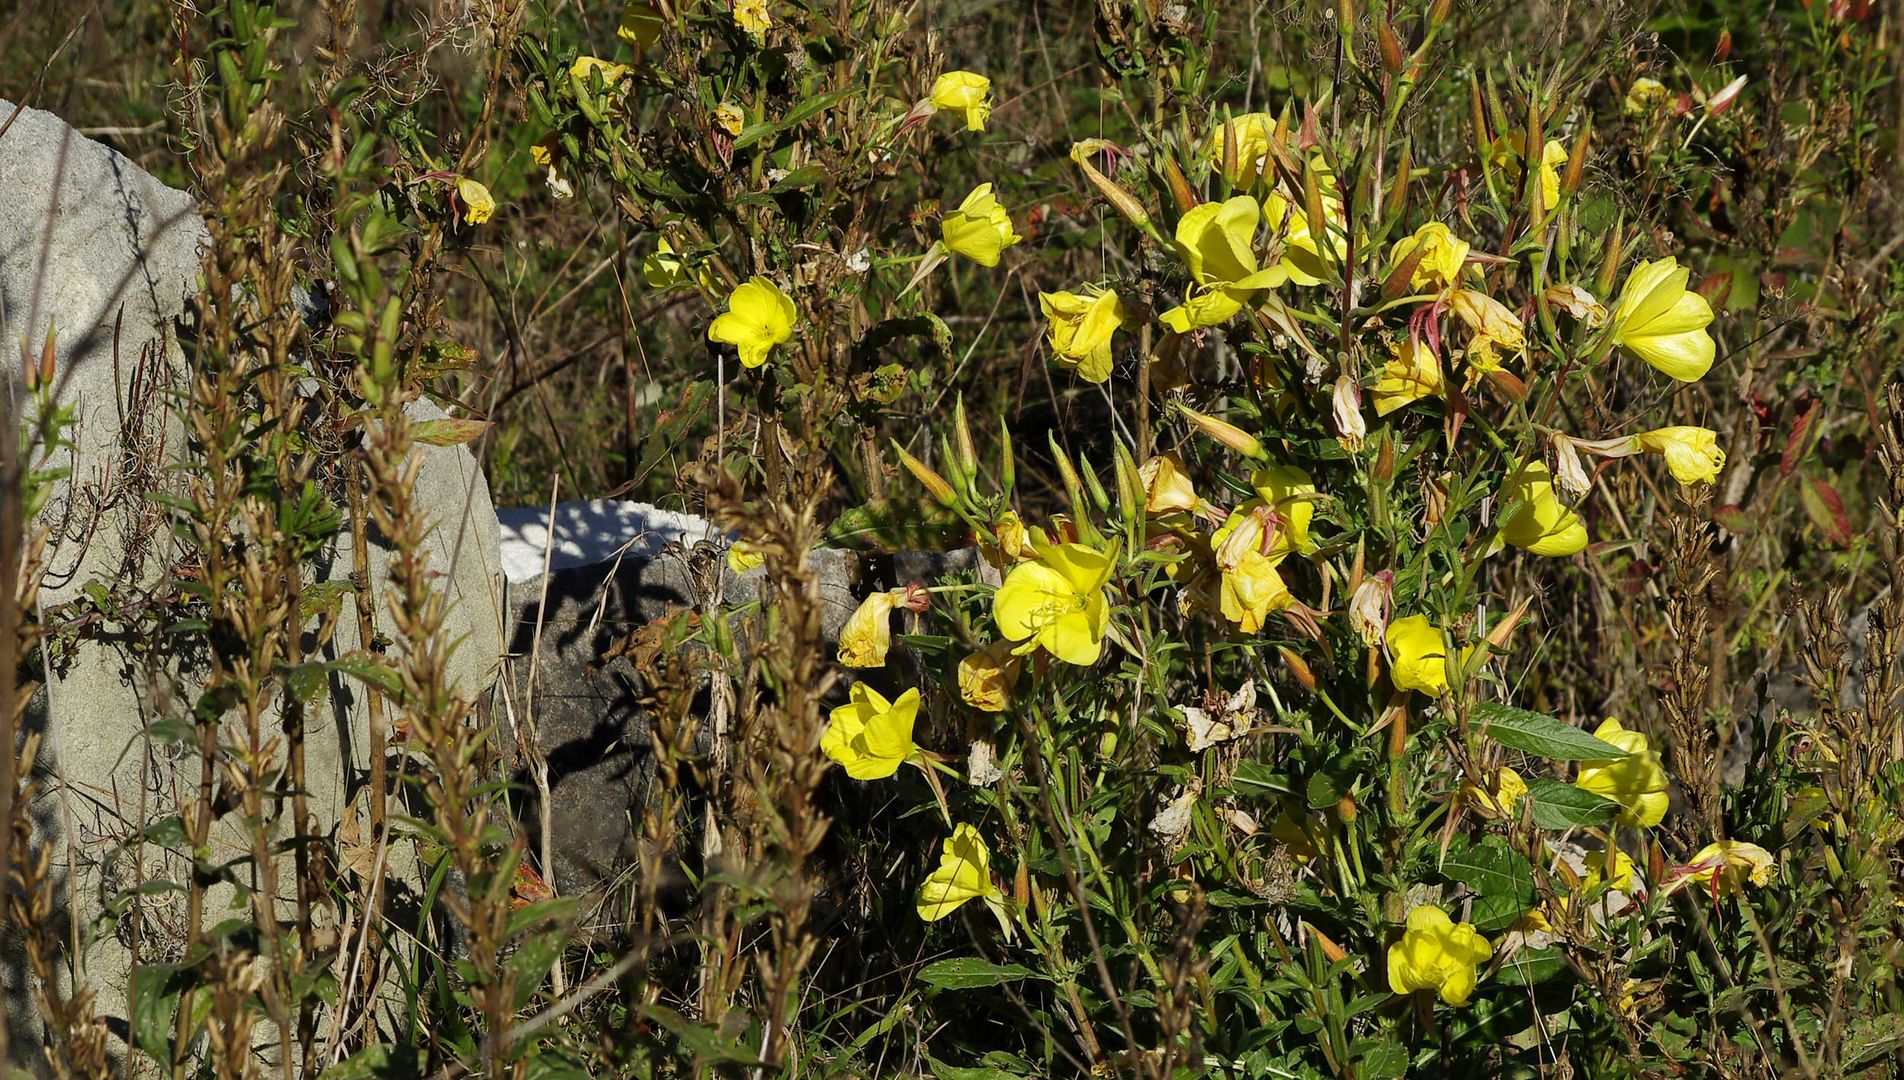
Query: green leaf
x=153, y=1005
x=942, y=1071
x=756, y=132
x=1559, y=805
x=449, y=431
x=1540, y=735
x=369, y=1062
x=1502, y=880
x=971, y=972
x=1528, y=967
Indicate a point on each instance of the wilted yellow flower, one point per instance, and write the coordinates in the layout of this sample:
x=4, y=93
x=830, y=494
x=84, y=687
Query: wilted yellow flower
x=1057, y=601
x=1417, y=655
x=964, y=873
x=1249, y=588
x=1217, y=241
x=965, y=93
x=1552, y=157
x=1254, y=134
x=986, y=676
x=1435, y=953
x=1442, y=255
x=586, y=66
x=1509, y=790
x=640, y=24
x=1345, y=401
x=869, y=736
x=979, y=229
x=545, y=153
x=1578, y=303
x=1644, y=96
x=752, y=17
x=1494, y=325
x=1692, y=453
x=1662, y=322
x=758, y=317
x=1079, y=328
x=743, y=556
x=1369, y=607
x=1637, y=781
x=1288, y=491
x=1622, y=876
x=1167, y=487
x=478, y=205
x=1731, y=863
x=731, y=118
x=1014, y=540
x=1539, y=522
x=1412, y=373
x=867, y=635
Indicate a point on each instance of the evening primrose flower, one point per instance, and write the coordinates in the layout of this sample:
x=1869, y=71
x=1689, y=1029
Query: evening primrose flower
x=1509, y=790
x=1724, y=866
x=869, y=736
x=1692, y=453
x=1057, y=601
x=1412, y=373
x=1249, y=588
x=867, y=635
x=1079, y=329
x=986, y=677
x=979, y=229
x=1254, y=133
x=586, y=66
x=1539, y=522
x=1418, y=655
x=1289, y=491
x=1217, y=241
x=730, y=117
x=1622, y=876
x=478, y=204
x=1495, y=328
x=965, y=93
x=1662, y=322
x=640, y=24
x=1301, y=262
x=1167, y=486
x=662, y=269
x=743, y=556
x=758, y=317
x=1552, y=156
x=1644, y=96
x=752, y=16
x=964, y=873
x=1637, y=781
x=1435, y=953
x=1442, y=255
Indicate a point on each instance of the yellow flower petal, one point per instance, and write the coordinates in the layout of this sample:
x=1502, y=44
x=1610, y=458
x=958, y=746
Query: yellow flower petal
x=964, y=873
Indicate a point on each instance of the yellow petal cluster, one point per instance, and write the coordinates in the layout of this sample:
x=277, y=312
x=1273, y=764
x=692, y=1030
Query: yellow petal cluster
x=1724, y=866
x=986, y=677
x=1412, y=373
x=1664, y=323
x=1436, y=953
x=640, y=24
x=869, y=736
x=752, y=16
x=1637, y=781
x=1057, y=601
x=730, y=118
x=1442, y=255
x=1249, y=589
x=1254, y=132
x=1538, y=521
x=1287, y=490
x=1622, y=876
x=1691, y=453
x=965, y=94
x=1217, y=241
x=743, y=556
x=964, y=873
x=1505, y=799
x=1644, y=96
x=1552, y=157
x=1495, y=328
x=758, y=317
x=867, y=635
x=478, y=204
x=1079, y=326
x=587, y=67
x=1417, y=655
x=979, y=229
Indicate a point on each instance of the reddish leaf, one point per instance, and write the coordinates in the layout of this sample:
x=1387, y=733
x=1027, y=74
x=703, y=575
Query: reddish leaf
x=1732, y=518
x=1795, y=445
x=1827, y=512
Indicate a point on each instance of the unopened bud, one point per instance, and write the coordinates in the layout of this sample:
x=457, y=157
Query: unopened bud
x=1113, y=193
x=1298, y=667
x=1722, y=100
x=1226, y=433
x=1180, y=191
x=932, y=481
x=1391, y=49
x=1334, y=953
x=1577, y=160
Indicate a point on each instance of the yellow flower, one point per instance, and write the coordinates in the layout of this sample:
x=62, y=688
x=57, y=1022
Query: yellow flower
x=743, y=556
x=1637, y=781
x=1509, y=790
x=986, y=677
x=964, y=873
x=1250, y=590
x=1167, y=487
x=1644, y=96
x=869, y=736
x=1412, y=373
x=545, y=154
x=1057, y=600
x=478, y=204
x=966, y=93
x=1014, y=540
x=1217, y=241
x=758, y=317
x=732, y=118
x=1662, y=322
x=1286, y=490
x=1437, y=954
x=1622, y=876
x=1418, y=655
x=867, y=634
x=979, y=229
x=1079, y=329
x=752, y=17
x=640, y=24
x=662, y=270
x=1539, y=522
x=1731, y=862
x=1552, y=156
x=1442, y=254
x=1254, y=134
x=1494, y=326
x=1302, y=263
x=585, y=66
x=1692, y=453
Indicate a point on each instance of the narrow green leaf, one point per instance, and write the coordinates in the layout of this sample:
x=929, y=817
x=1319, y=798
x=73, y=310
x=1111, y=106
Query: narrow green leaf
x=1543, y=736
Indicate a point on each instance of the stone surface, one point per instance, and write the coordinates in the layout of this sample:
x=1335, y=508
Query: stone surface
x=104, y=254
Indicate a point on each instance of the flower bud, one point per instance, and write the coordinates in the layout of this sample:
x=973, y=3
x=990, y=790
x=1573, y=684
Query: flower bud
x=1226, y=433
x=1115, y=194
x=931, y=480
